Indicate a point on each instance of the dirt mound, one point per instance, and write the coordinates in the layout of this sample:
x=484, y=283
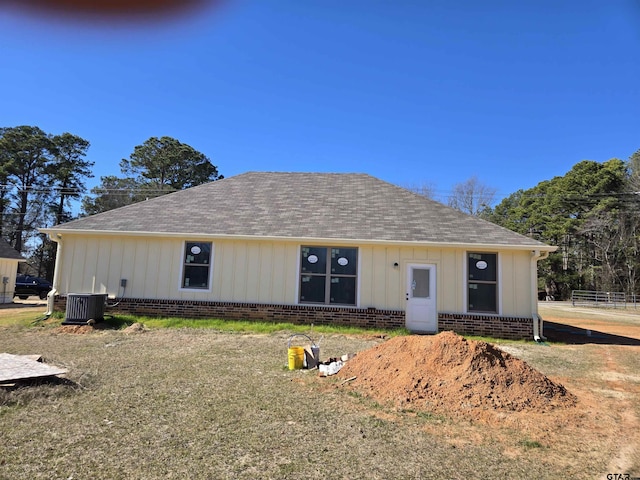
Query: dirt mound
x=92, y=327
x=75, y=329
x=450, y=375
x=135, y=328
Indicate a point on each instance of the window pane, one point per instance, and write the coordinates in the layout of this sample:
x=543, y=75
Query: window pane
x=198, y=252
x=344, y=261
x=312, y=288
x=420, y=285
x=314, y=260
x=343, y=290
x=482, y=297
x=196, y=277
x=482, y=266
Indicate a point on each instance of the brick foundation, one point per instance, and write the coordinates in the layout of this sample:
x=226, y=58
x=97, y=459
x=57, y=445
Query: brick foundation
x=464, y=324
x=515, y=328
x=297, y=314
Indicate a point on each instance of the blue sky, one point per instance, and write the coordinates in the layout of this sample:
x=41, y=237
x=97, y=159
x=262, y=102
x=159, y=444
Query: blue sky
x=413, y=92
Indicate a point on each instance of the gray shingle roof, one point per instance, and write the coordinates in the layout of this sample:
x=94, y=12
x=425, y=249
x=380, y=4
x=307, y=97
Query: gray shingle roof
x=7, y=251
x=303, y=205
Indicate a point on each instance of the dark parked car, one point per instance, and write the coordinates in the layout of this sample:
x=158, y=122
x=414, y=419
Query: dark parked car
x=27, y=286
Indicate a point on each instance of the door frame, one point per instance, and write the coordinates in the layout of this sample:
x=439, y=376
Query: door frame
x=433, y=295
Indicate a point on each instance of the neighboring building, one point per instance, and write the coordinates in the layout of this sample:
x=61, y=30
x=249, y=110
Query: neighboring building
x=9, y=259
x=309, y=248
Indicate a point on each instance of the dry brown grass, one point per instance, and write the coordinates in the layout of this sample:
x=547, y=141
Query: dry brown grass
x=199, y=404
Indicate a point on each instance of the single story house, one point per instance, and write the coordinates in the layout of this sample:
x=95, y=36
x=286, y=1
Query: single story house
x=312, y=248
x=9, y=259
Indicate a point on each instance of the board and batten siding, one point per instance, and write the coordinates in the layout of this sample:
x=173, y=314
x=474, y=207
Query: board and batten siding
x=8, y=270
x=384, y=286
x=243, y=271
x=256, y=271
x=515, y=283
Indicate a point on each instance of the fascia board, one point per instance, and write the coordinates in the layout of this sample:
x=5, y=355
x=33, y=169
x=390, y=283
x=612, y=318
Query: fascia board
x=53, y=234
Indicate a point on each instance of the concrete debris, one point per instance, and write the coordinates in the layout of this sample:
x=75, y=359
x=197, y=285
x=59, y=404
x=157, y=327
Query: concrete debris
x=23, y=367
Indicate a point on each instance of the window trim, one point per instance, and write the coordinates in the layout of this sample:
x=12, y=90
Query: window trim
x=183, y=265
x=328, y=275
x=497, y=283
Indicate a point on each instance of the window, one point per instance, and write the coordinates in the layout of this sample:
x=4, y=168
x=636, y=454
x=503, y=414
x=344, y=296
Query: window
x=482, y=282
x=197, y=265
x=328, y=275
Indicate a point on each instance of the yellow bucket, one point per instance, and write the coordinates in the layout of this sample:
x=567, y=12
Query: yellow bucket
x=296, y=358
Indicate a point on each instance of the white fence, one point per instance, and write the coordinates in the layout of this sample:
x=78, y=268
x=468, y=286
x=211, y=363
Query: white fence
x=599, y=299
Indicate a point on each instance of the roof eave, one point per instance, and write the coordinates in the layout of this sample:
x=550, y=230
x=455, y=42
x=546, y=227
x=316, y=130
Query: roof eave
x=56, y=234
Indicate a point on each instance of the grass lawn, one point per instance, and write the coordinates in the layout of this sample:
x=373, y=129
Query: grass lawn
x=200, y=403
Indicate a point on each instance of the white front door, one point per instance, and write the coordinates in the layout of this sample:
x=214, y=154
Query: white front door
x=422, y=315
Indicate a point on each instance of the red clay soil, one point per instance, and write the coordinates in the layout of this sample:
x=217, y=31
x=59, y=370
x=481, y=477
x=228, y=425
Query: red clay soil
x=84, y=329
x=76, y=329
x=447, y=374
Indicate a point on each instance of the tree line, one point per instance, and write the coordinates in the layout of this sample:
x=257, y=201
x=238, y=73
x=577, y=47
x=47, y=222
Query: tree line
x=592, y=213
x=41, y=174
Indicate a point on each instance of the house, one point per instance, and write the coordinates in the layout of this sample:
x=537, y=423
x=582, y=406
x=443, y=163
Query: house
x=9, y=259
x=311, y=248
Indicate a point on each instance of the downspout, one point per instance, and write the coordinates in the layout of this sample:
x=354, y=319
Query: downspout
x=536, y=256
x=52, y=293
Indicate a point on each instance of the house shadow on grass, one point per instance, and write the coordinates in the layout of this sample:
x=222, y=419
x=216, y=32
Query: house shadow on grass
x=559, y=332
x=114, y=323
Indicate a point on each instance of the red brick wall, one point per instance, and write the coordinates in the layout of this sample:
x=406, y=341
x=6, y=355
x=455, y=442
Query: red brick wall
x=297, y=314
x=516, y=328
x=484, y=325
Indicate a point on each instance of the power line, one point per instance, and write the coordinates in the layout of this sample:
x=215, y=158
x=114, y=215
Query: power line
x=68, y=191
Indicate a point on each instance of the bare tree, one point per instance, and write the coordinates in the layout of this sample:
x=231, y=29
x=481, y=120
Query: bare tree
x=472, y=196
x=613, y=235
x=426, y=189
